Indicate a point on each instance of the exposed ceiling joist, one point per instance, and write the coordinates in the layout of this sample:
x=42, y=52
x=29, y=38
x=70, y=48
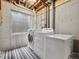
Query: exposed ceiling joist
x=36, y=4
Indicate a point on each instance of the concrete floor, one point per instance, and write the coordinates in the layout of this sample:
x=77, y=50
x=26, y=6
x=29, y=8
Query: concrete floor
x=20, y=53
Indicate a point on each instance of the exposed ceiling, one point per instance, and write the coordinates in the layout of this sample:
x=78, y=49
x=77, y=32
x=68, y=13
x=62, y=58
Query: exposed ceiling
x=36, y=4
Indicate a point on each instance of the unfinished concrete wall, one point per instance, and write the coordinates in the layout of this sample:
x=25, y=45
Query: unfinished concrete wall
x=6, y=27
x=67, y=17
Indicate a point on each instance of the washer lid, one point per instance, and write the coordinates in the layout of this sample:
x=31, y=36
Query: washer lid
x=61, y=36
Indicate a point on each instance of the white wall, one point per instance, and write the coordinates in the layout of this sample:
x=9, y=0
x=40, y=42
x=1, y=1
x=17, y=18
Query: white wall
x=67, y=17
x=5, y=28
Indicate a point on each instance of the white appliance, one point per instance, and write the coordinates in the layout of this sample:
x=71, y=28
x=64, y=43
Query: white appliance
x=56, y=46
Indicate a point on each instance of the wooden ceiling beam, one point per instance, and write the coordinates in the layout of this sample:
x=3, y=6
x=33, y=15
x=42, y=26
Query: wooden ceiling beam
x=28, y=4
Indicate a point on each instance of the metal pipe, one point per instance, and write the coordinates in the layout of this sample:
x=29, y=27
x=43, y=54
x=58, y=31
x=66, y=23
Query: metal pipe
x=53, y=6
x=48, y=16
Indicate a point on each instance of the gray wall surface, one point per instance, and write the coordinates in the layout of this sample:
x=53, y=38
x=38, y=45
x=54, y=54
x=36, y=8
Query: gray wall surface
x=67, y=17
x=6, y=27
